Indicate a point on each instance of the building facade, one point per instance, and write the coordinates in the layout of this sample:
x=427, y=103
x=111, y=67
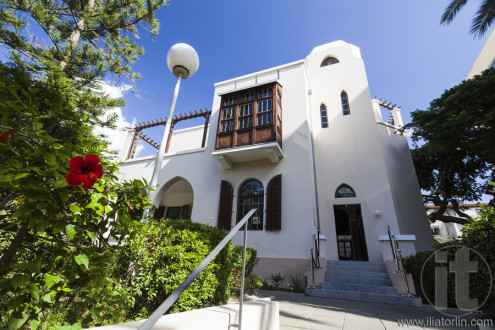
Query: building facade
x=306, y=144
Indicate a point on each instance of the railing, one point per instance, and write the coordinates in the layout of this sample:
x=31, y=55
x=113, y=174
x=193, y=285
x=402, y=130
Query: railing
x=315, y=257
x=183, y=286
x=397, y=254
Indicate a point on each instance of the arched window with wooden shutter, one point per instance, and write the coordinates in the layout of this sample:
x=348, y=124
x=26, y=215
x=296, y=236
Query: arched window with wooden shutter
x=274, y=204
x=225, y=206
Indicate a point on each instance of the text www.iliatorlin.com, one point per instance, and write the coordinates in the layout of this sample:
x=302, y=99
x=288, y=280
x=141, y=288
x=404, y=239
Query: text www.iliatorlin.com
x=443, y=322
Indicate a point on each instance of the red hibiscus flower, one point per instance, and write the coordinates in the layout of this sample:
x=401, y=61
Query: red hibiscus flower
x=5, y=136
x=85, y=171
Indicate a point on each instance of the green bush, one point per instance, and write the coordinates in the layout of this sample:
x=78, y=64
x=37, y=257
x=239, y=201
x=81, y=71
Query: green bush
x=478, y=235
x=167, y=253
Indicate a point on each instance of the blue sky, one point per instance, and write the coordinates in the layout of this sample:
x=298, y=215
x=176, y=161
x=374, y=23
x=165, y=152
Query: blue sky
x=410, y=59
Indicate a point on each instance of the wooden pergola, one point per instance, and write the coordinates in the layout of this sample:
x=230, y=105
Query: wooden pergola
x=158, y=122
x=388, y=106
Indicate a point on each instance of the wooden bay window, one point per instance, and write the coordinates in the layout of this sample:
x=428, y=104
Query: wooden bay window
x=250, y=116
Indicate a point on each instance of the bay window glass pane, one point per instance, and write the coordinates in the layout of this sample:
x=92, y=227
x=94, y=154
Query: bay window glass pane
x=265, y=105
x=230, y=101
x=227, y=125
x=228, y=113
x=264, y=118
x=245, y=122
x=265, y=92
x=246, y=109
x=246, y=97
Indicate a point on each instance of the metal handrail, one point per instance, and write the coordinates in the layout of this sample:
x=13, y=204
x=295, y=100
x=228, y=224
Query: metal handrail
x=397, y=254
x=315, y=256
x=183, y=286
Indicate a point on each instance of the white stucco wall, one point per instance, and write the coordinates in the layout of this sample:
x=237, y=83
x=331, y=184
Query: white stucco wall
x=486, y=57
x=186, y=139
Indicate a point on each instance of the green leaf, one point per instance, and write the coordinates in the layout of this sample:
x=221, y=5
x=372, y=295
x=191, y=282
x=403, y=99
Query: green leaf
x=50, y=280
x=34, y=291
x=35, y=266
x=16, y=320
x=5, y=178
x=50, y=159
x=21, y=175
x=99, y=187
x=82, y=259
x=37, y=125
x=34, y=324
x=61, y=183
x=17, y=280
x=74, y=208
x=14, y=304
x=138, y=183
x=75, y=326
x=49, y=296
x=91, y=234
x=70, y=231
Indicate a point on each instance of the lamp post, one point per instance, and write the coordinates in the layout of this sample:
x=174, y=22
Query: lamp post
x=183, y=61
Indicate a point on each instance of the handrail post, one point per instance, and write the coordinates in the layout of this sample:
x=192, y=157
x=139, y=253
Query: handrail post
x=312, y=269
x=392, y=246
x=243, y=275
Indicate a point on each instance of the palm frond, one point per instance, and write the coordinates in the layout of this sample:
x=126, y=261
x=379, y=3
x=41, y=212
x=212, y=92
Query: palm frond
x=451, y=10
x=483, y=19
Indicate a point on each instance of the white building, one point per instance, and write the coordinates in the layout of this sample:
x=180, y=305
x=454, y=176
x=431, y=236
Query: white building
x=305, y=143
x=449, y=229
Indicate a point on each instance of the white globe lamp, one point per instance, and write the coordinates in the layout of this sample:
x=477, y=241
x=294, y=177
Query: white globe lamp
x=182, y=60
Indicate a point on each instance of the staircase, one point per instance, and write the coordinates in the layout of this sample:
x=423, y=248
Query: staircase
x=362, y=281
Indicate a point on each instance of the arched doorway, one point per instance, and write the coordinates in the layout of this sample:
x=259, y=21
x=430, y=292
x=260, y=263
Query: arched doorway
x=176, y=200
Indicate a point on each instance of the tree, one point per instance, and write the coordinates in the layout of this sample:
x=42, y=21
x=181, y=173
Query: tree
x=54, y=237
x=481, y=22
x=456, y=156
x=86, y=39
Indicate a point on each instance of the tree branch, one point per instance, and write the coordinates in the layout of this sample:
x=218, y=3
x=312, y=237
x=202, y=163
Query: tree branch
x=447, y=218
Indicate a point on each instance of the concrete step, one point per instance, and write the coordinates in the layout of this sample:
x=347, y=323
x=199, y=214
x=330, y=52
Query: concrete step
x=360, y=280
x=365, y=296
x=331, y=273
x=359, y=287
x=356, y=265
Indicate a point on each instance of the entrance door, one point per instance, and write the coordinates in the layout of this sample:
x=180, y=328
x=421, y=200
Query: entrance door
x=351, y=242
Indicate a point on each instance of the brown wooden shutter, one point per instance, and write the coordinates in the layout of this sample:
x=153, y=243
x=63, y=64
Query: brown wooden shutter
x=274, y=204
x=225, y=206
x=185, y=212
x=159, y=212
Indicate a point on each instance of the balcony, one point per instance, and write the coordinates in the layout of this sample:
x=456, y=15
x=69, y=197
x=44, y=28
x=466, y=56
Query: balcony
x=250, y=125
x=270, y=151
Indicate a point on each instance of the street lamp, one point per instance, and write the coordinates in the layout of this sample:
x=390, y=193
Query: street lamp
x=183, y=61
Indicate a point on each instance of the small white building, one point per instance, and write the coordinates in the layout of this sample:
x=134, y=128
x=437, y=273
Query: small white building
x=447, y=230
x=306, y=144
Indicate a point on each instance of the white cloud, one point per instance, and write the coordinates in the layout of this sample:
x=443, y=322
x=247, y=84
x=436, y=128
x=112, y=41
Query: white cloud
x=118, y=136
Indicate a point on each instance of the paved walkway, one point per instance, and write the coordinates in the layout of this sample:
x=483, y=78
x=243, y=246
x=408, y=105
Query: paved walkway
x=298, y=311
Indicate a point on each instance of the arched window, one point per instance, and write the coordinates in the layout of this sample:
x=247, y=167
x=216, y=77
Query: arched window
x=344, y=191
x=251, y=195
x=324, y=116
x=329, y=61
x=346, y=110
